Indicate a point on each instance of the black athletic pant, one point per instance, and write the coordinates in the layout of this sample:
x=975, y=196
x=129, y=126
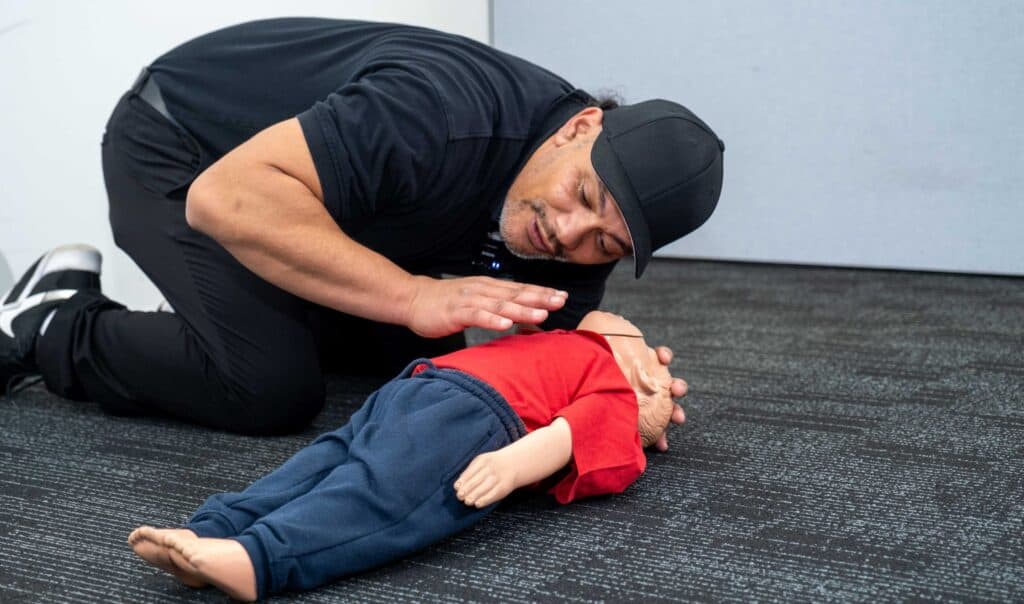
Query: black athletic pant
x=238, y=353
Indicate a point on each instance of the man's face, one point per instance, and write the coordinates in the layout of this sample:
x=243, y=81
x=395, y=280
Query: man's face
x=557, y=207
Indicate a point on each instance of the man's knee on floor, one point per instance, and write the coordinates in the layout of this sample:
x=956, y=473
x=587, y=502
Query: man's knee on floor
x=282, y=403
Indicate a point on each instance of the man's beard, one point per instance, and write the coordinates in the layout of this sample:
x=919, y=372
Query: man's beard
x=507, y=236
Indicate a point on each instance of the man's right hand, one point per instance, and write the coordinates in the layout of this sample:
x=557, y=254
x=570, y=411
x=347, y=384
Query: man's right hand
x=445, y=306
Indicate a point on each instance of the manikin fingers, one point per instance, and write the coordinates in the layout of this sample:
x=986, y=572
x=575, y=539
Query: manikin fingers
x=468, y=481
x=479, y=490
x=479, y=486
x=490, y=497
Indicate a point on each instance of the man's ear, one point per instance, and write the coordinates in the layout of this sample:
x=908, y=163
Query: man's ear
x=584, y=122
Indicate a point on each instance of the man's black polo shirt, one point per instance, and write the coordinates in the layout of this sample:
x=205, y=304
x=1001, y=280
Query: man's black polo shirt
x=416, y=134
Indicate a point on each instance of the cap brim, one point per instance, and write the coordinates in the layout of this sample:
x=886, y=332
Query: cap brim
x=606, y=164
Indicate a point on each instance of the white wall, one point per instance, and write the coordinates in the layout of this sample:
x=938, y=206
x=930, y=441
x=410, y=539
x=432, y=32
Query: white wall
x=65, y=63
x=869, y=133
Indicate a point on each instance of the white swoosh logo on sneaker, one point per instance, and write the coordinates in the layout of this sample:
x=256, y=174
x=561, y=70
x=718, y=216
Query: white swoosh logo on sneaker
x=11, y=312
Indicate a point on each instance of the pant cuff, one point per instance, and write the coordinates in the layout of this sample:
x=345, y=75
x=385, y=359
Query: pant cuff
x=253, y=545
x=55, y=349
x=211, y=525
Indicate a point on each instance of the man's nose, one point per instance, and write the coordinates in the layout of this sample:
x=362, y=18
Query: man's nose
x=573, y=227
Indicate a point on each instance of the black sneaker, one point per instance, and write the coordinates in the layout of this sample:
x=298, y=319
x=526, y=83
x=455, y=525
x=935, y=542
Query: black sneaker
x=59, y=274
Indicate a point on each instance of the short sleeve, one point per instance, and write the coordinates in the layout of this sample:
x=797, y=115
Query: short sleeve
x=607, y=455
x=377, y=143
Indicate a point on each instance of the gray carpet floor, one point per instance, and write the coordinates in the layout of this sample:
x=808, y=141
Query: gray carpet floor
x=853, y=436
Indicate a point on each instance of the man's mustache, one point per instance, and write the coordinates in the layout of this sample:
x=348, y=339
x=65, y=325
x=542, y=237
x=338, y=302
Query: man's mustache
x=549, y=233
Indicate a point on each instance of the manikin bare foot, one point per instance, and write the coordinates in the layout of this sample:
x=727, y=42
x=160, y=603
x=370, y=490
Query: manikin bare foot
x=147, y=542
x=223, y=563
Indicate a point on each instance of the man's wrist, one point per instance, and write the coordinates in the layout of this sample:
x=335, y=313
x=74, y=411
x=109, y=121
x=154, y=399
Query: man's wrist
x=409, y=297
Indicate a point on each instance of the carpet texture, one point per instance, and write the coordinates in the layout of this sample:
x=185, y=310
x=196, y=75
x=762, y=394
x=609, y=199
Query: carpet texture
x=852, y=436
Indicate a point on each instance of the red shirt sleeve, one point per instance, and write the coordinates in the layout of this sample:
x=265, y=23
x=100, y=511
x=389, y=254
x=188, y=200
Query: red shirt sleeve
x=607, y=455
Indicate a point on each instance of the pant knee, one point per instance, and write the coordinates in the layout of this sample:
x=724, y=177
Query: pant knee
x=282, y=403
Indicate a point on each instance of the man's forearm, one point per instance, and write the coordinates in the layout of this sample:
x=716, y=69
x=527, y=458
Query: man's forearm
x=278, y=228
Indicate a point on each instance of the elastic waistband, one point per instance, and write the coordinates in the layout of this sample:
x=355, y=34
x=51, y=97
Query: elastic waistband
x=484, y=391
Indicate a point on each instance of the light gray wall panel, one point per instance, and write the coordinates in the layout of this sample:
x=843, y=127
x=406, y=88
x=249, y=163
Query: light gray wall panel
x=867, y=133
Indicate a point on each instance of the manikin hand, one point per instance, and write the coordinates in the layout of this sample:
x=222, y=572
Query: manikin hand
x=490, y=477
x=445, y=306
x=678, y=389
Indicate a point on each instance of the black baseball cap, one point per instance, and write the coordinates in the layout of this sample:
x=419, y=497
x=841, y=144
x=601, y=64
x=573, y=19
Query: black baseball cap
x=663, y=165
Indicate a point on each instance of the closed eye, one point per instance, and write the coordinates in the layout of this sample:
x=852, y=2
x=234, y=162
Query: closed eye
x=582, y=192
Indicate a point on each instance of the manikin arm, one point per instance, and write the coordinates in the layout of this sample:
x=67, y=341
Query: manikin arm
x=491, y=476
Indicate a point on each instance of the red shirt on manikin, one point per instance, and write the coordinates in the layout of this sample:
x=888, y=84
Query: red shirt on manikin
x=573, y=375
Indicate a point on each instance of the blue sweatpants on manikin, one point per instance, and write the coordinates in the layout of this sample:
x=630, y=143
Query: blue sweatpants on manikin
x=372, y=491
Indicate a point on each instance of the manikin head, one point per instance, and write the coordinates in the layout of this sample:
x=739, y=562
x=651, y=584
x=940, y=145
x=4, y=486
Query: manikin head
x=651, y=381
x=609, y=184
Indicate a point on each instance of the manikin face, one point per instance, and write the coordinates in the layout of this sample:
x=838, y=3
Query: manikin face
x=651, y=381
x=558, y=208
